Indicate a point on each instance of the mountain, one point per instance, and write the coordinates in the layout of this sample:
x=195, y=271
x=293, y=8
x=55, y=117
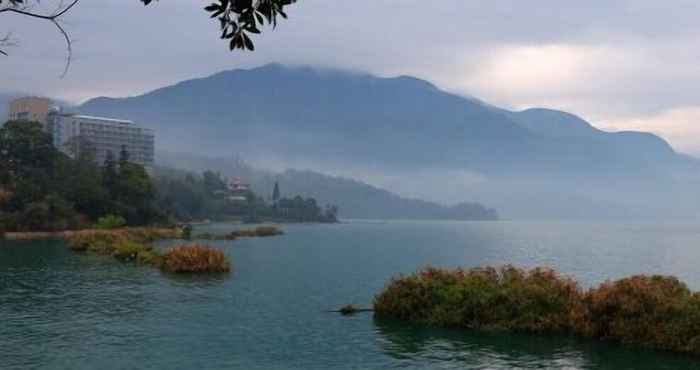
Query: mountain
x=375, y=128
x=354, y=198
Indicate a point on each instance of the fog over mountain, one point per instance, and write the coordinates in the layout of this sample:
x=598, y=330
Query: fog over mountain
x=407, y=135
x=354, y=198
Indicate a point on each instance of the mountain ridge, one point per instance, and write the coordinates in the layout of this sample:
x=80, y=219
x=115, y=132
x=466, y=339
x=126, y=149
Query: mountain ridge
x=356, y=123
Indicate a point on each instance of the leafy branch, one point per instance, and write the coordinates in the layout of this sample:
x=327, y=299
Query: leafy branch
x=238, y=20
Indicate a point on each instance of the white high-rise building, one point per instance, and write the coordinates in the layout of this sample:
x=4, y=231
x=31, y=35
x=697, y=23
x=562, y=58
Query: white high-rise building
x=73, y=134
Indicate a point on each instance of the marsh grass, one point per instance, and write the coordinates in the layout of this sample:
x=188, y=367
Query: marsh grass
x=258, y=232
x=129, y=245
x=195, y=259
x=656, y=312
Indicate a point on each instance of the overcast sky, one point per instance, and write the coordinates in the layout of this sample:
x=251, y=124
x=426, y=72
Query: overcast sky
x=632, y=64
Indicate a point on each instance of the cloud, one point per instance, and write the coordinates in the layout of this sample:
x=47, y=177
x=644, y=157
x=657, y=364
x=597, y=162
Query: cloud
x=605, y=60
x=681, y=126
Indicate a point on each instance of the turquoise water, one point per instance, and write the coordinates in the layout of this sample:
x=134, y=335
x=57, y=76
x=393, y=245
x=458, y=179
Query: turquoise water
x=60, y=310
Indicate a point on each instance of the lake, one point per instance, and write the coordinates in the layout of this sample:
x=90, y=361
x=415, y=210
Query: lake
x=60, y=310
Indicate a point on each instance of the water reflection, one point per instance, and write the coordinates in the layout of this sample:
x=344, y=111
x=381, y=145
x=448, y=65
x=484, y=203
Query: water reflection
x=419, y=346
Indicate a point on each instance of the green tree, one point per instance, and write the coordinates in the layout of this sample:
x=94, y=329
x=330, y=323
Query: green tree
x=109, y=174
x=213, y=182
x=135, y=194
x=27, y=158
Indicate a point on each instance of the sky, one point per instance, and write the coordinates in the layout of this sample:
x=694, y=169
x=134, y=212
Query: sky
x=620, y=64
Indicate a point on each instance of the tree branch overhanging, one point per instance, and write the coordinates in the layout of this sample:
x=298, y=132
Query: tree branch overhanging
x=238, y=20
x=22, y=8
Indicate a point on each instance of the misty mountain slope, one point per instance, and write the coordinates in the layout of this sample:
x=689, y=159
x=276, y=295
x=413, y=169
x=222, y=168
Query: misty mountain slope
x=331, y=116
x=372, y=128
x=355, y=199
x=553, y=123
x=336, y=117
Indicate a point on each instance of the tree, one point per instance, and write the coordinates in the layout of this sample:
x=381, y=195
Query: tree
x=237, y=19
x=109, y=173
x=27, y=159
x=276, y=194
x=213, y=183
x=24, y=147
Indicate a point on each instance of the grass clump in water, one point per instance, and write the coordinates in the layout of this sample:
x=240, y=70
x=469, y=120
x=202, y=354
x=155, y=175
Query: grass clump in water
x=657, y=312
x=195, y=259
x=506, y=298
x=97, y=241
x=264, y=231
x=259, y=232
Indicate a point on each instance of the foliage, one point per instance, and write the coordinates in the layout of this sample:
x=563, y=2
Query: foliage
x=652, y=311
x=188, y=197
x=263, y=231
x=300, y=209
x=538, y=300
x=657, y=312
x=126, y=245
x=258, y=232
x=107, y=241
x=187, y=232
x=110, y=222
x=45, y=190
x=195, y=259
x=52, y=213
x=128, y=250
x=240, y=18
x=97, y=241
x=237, y=19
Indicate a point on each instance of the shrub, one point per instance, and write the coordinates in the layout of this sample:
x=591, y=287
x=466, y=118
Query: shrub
x=195, y=259
x=263, y=231
x=507, y=298
x=187, y=232
x=106, y=241
x=128, y=250
x=149, y=257
x=651, y=311
x=98, y=241
x=152, y=234
x=110, y=222
x=657, y=312
x=260, y=231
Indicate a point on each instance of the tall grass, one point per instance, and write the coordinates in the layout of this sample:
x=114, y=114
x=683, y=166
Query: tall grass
x=258, y=232
x=507, y=298
x=134, y=245
x=195, y=259
x=651, y=311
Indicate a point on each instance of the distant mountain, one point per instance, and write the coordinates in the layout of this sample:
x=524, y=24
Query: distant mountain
x=553, y=123
x=354, y=198
x=341, y=117
x=358, y=123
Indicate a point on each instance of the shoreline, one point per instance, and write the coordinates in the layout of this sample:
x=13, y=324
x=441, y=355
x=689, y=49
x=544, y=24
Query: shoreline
x=52, y=235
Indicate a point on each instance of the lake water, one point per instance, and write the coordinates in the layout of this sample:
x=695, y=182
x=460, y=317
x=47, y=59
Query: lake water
x=60, y=310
